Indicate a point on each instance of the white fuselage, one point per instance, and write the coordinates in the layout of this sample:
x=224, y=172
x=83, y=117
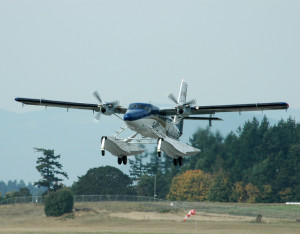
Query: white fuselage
x=154, y=127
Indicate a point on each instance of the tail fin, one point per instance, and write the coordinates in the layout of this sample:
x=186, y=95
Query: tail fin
x=182, y=93
x=181, y=100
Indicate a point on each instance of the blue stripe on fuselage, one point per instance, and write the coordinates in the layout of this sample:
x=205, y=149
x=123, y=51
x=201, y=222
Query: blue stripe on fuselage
x=137, y=111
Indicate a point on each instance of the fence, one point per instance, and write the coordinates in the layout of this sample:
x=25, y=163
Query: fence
x=83, y=198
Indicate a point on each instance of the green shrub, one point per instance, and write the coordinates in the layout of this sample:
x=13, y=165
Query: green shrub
x=58, y=203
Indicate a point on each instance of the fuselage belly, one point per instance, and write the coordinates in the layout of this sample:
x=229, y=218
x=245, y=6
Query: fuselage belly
x=153, y=128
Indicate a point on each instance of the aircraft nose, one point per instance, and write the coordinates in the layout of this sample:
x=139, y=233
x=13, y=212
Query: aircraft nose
x=134, y=115
x=128, y=117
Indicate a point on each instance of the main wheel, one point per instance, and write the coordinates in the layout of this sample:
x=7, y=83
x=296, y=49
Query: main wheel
x=124, y=160
x=159, y=154
x=103, y=152
x=175, y=161
x=119, y=161
x=180, y=161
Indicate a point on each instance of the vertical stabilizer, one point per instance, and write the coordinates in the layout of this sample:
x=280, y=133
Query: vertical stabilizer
x=182, y=93
x=181, y=100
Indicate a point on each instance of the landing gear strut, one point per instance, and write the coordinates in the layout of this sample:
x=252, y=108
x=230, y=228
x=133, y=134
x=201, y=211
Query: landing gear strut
x=159, y=146
x=103, y=145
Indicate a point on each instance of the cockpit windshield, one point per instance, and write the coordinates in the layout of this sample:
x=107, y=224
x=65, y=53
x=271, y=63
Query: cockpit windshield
x=136, y=106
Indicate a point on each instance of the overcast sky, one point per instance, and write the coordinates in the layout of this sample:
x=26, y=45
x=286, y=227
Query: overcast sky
x=228, y=51
x=135, y=51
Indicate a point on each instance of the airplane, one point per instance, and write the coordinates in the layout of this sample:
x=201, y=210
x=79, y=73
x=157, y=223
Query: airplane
x=153, y=125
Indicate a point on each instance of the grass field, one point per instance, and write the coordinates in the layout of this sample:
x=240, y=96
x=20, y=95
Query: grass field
x=130, y=217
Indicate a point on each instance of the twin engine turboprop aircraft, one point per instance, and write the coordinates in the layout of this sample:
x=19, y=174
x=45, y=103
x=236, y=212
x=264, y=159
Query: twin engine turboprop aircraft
x=153, y=125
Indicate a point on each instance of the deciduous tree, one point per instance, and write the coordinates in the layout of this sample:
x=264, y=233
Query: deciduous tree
x=192, y=185
x=103, y=181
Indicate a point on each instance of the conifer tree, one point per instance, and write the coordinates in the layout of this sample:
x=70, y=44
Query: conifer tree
x=50, y=169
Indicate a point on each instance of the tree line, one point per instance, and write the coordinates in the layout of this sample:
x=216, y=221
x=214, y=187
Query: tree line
x=18, y=189
x=257, y=163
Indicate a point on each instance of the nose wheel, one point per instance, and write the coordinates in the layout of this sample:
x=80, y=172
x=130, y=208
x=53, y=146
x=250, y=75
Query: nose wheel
x=122, y=160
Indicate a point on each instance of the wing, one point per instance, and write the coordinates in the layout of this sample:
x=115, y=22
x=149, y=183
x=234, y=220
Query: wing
x=63, y=104
x=201, y=110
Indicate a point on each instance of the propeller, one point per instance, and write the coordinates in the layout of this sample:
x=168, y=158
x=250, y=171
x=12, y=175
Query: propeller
x=173, y=98
x=97, y=96
x=104, y=107
x=97, y=117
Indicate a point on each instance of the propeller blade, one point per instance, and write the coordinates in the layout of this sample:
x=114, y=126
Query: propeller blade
x=97, y=117
x=113, y=103
x=172, y=97
x=96, y=95
x=191, y=102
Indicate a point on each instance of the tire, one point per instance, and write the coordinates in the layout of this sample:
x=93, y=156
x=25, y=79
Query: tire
x=124, y=159
x=103, y=152
x=120, y=161
x=180, y=161
x=175, y=161
x=159, y=154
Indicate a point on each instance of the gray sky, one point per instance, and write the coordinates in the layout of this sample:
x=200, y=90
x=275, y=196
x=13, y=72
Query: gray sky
x=228, y=51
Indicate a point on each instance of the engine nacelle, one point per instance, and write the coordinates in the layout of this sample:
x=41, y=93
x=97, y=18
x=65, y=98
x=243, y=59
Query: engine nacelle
x=184, y=111
x=108, y=110
x=180, y=111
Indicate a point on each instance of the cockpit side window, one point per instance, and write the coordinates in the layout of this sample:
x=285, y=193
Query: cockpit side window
x=147, y=108
x=132, y=106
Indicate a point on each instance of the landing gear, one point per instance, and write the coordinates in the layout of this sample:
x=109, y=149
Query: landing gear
x=103, y=145
x=177, y=161
x=180, y=161
x=159, y=141
x=122, y=160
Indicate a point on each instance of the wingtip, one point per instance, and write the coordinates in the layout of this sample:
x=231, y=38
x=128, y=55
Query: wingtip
x=287, y=105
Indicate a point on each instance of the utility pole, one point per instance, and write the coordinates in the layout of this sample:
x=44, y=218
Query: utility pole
x=154, y=187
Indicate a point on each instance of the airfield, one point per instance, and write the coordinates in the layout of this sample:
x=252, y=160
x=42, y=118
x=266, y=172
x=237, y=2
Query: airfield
x=152, y=217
